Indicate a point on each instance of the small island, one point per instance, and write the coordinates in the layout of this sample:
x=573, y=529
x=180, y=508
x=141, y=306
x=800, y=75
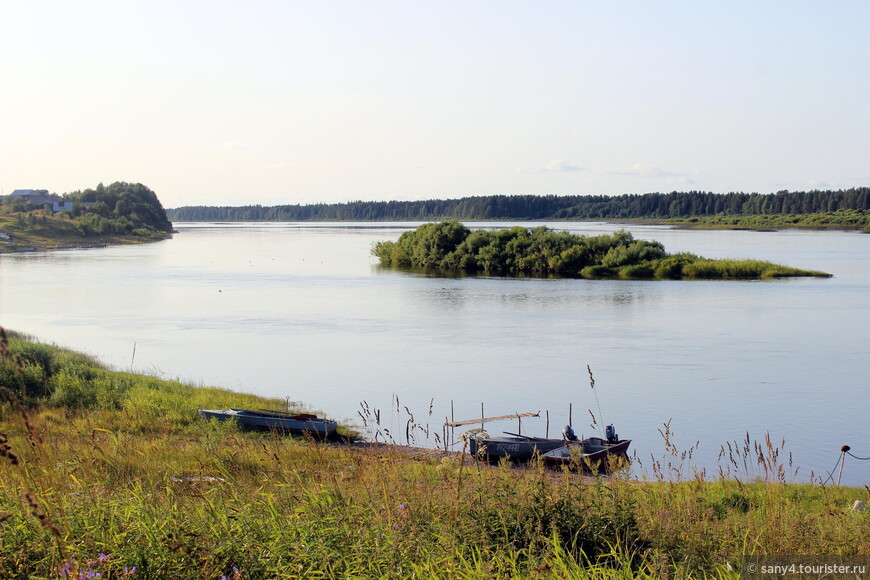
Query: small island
x=451, y=247
x=120, y=213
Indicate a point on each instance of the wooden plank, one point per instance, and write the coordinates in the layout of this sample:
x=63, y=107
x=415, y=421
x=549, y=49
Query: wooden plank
x=487, y=419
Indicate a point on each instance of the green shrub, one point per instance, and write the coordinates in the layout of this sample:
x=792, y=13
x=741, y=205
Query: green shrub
x=598, y=271
x=637, y=272
x=451, y=247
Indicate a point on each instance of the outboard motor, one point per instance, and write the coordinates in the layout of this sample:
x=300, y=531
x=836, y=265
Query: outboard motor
x=568, y=434
x=610, y=432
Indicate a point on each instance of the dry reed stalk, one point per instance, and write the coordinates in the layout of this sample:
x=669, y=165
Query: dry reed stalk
x=6, y=450
x=459, y=479
x=598, y=404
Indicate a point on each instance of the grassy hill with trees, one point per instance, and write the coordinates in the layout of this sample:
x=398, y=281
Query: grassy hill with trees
x=451, y=247
x=117, y=213
x=112, y=474
x=842, y=208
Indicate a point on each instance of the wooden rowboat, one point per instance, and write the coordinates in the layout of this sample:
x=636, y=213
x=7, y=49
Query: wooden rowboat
x=592, y=455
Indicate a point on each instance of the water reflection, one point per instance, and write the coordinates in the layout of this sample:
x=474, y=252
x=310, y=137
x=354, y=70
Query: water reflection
x=563, y=295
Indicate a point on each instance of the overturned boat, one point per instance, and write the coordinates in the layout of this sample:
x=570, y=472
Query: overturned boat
x=268, y=420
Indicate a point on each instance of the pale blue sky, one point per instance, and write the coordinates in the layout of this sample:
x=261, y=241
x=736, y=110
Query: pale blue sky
x=298, y=102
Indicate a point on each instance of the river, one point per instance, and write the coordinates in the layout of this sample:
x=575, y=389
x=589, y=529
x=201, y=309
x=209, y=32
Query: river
x=302, y=310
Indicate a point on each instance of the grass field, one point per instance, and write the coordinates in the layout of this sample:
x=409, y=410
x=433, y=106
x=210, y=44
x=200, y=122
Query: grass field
x=119, y=478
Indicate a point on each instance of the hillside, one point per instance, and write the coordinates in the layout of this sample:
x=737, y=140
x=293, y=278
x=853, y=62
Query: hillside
x=120, y=213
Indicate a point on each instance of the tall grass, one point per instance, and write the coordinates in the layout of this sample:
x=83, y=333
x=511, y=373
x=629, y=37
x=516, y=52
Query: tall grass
x=146, y=489
x=742, y=270
x=840, y=219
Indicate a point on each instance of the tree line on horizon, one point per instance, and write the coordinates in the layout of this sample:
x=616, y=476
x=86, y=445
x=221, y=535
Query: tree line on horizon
x=541, y=207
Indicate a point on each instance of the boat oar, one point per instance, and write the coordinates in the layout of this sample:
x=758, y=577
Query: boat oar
x=525, y=436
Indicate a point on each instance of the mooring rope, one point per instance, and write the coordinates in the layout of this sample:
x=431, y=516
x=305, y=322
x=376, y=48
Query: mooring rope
x=845, y=449
x=831, y=473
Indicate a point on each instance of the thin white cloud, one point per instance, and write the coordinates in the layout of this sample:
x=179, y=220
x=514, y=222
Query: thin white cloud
x=649, y=171
x=232, y=146
x=680, y=179
x=641, y=170
x=555, y=166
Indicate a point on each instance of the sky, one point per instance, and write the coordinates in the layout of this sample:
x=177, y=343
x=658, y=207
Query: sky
x=284, y=102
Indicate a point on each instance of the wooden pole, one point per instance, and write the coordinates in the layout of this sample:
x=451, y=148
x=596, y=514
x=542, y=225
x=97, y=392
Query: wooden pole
x=482, y=416
x=547, y=432
x=487, y=419
x=446, y=434
x=570, y=422
x=843, y=451
x=452, y=429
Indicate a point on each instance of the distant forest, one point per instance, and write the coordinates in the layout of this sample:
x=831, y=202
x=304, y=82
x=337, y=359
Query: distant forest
x=544, y=207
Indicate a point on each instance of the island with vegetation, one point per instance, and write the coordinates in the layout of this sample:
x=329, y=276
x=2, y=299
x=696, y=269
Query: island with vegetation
x=845, y=209
x=115, y=214
x=112, y=474
x=450, y=247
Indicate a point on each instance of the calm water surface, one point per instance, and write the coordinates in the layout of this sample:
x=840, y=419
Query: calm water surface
x=302, y=310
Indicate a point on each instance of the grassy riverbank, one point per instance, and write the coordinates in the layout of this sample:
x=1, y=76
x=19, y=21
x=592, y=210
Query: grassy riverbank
x=844, y=219
x=120, y=213
x=113, y=473
x=30, y=231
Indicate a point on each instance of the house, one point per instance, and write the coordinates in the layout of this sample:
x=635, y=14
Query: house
x=61, y=205
x=31, y=196
x=40, y=197
x=28, y=192
x=34, y=197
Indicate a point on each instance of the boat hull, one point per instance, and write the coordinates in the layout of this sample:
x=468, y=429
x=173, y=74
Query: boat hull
x=593, y=455
x=495, y=449
x=265, y=421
